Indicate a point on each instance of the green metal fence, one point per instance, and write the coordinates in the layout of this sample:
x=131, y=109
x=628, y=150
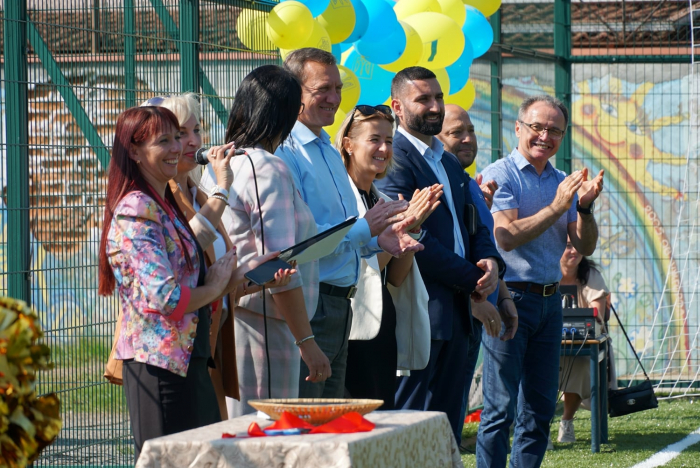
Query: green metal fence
x=69, y=67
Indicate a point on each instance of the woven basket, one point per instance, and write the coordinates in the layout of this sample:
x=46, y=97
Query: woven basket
x=314, y=410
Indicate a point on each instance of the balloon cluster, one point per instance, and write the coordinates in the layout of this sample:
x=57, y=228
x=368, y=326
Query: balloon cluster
x=374, y=39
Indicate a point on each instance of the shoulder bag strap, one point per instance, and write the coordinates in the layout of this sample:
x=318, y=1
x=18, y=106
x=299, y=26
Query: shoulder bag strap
x=628, y=340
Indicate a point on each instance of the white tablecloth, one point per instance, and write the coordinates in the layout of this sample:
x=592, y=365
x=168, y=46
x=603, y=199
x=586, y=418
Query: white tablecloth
x=400, y=439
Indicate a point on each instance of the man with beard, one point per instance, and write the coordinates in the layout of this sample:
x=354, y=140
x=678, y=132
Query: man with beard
x=459, y=258
x=459, y=138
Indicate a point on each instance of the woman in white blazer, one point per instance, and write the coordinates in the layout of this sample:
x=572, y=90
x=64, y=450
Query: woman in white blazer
x=387, y=333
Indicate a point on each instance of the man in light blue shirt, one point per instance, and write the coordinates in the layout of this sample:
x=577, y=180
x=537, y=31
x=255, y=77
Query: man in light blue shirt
x=321, y=178
x=534, y=209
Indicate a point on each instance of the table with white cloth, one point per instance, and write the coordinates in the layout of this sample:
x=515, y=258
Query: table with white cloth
x=401, y=438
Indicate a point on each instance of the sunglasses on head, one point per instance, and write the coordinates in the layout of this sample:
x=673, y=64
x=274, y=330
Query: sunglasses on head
x=155, y=101
x=367, y=110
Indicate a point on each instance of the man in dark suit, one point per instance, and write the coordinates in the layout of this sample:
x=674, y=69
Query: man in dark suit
x=459, y=259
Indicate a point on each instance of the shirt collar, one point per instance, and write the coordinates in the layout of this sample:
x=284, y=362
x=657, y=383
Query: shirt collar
x=436, y=146
x=521, y=163
x=303, y=135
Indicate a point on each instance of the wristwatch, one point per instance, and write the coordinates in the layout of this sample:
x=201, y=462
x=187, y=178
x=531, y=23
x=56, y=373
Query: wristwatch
x=583, y=210
x=216, y=189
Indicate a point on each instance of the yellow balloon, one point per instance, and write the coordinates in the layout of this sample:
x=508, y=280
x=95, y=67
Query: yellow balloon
x=471, y=170
x=443, y=39
x=333, y=129
x=388, y=101
x=444, y=80
x=319, y=39
x=487, y=7
x=251, y=30
x=339, y=20
x=411, y=54
x=464, y=97
x=290, y=24
x=405, y=8
x=285, y=52
x=455, y=10
x=351, y=89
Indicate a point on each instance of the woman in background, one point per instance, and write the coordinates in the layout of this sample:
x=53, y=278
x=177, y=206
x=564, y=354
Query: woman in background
x=149, y=253
x=574, y=372
x=204, y=215
x=364, y=141
x=269, y=214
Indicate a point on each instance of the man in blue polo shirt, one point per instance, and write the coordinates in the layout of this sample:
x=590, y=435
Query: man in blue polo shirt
x=496, y=314
x=534, y=209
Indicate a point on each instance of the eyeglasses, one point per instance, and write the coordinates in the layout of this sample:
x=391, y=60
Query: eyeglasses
x=553, y=132
x=367, y=111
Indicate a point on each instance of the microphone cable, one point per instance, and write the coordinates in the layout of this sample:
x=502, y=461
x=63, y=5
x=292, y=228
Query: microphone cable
x=262, y=239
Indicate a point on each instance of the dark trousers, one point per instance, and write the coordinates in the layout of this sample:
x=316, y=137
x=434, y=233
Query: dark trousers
x=371, y=371
x=440, y=386
x=161, y=402
x=331, y=327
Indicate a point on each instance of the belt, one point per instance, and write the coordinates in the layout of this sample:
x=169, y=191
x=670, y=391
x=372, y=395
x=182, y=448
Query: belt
x=541, y=289
x=348, y=292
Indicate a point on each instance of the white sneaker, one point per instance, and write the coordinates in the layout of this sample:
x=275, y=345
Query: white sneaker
x=566, y=431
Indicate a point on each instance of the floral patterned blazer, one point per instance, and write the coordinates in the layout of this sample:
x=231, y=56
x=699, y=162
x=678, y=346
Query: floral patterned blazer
x=148, y=259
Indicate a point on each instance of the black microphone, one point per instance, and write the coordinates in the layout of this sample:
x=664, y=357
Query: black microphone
x=202, y=155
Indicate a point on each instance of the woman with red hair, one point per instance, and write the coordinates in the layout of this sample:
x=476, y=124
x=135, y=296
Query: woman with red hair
x=149, y=253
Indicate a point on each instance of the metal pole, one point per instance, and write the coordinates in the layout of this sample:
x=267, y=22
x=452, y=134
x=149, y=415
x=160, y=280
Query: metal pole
x=17, y=132
x=496, y=88
x=129, y=53
x=562, y=73
x=189, y=53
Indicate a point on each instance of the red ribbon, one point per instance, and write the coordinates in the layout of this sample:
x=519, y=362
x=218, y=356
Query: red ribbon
x=473, y=417
x=345, y=424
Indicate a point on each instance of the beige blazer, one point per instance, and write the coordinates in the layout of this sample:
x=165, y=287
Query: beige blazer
x=410, y=301
x=222, y=337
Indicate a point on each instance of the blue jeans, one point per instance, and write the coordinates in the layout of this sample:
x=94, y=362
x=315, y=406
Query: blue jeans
x=525, y=371
x=472, y=357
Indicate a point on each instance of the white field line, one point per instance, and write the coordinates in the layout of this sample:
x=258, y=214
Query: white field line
x=670, y=452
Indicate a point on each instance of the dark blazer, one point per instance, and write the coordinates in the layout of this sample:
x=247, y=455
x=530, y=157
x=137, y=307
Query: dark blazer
x=444, y=272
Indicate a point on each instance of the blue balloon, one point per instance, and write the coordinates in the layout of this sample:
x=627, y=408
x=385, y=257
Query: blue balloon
x=382, y=20
x=385, y=51
x=344, y=46
x=317, y=7
x=337, y=52
x=375, y=82
x=459, y=71
x=361, y=22
x=478, y=30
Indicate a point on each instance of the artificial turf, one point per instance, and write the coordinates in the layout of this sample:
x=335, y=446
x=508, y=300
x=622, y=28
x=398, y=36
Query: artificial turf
x=632, y=438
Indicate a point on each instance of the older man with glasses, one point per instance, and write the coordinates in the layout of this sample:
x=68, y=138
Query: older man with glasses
x=534, y=209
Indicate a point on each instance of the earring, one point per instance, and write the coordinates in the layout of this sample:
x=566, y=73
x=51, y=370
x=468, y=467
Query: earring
x=349, y=153
x=138, y=162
